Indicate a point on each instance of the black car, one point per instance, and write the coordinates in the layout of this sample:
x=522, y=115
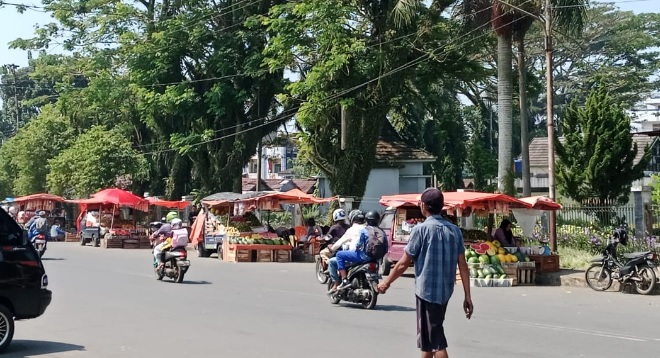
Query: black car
x=23, y=279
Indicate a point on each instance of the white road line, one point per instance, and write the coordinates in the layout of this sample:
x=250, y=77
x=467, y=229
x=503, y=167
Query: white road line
x=579, y=330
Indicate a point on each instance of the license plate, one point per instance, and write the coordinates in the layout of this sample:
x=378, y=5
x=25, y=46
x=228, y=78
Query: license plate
x=183, y=263
x=40, y=241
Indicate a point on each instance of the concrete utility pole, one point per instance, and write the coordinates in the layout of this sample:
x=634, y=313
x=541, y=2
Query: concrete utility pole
x=550, y=121
x=12, y=67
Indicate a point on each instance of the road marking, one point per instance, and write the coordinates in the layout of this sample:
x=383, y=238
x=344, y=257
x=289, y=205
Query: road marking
x=579, y=330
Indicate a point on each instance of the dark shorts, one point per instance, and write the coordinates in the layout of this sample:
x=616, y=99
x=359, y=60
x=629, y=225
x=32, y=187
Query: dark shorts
x=430, y=332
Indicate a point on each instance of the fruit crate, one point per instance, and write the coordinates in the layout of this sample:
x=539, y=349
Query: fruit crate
x=69, y=237
x=480, y=282
x=131, y=244
x=544, y=264
x=234, y=255
x=502, y=282
x=526, y=276
x=264, y=255
x=282, y=255
x=530, y=264
x=112, y=244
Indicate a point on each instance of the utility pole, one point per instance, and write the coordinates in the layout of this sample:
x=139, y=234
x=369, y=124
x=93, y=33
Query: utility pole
x=550, y=121
x=259, y=169
x=13, y=68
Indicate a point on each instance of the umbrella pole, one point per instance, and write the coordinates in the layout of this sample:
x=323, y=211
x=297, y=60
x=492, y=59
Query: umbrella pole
x=112, y=221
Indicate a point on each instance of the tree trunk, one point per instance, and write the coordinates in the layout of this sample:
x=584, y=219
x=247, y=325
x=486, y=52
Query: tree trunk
x=505, y=110
x=524, y=120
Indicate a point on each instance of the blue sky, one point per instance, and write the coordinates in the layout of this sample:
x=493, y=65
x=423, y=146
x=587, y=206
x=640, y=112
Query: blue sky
x=15, y=25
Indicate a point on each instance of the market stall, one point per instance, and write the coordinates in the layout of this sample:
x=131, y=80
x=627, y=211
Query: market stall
x=113, y=218
x=545, y=260
x=490, y=264
x=51, y=204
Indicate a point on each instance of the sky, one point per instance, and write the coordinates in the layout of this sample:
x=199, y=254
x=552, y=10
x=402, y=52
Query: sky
x=15, y=25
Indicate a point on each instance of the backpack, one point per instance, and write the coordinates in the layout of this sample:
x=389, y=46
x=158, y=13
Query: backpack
x=179, y=238
x=377, y=243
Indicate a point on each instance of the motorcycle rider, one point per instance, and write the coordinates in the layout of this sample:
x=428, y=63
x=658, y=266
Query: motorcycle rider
x=39, y=226
x=347, y=242
x=336, y=232
x=175, y=240
x=12, y=211
x=166, y=228
x=359, y=255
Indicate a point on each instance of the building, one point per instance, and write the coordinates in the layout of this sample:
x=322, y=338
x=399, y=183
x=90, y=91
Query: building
x=646, y=116
x=399, y=169
x=538, y=162
x=278, y=155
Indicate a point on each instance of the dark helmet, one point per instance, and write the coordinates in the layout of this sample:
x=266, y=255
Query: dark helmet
x=356, y=217
x=621, y=234
x=373, y=218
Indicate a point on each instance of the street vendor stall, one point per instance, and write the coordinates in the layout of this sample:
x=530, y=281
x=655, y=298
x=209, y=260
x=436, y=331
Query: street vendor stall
x=51, y=204
x=111, y=218
x=545, y=259
x=483, y=255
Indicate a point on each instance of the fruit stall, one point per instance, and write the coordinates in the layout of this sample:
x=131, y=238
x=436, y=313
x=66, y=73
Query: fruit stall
x=51, y=204
x=114, y=217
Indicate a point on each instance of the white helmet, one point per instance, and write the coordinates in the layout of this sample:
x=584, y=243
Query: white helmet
x=176, y=222
x=13, y=210
x=338, y=215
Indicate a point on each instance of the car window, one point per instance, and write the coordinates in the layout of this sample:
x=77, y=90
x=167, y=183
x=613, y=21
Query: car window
x=10, y=232
x=387, y=220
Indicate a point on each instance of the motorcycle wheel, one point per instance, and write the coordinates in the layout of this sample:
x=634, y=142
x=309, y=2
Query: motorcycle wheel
x=596, y=271
x=648, y=284
x=371, y=303
x=320, y=276
x=334, y=298
x=179, y=274
x=82, y=240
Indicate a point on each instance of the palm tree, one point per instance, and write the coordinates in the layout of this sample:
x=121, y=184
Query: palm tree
x=568, y=16
x=509, y=19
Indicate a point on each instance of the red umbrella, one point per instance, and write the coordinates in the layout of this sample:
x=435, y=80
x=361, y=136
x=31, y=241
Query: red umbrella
x=121, y=198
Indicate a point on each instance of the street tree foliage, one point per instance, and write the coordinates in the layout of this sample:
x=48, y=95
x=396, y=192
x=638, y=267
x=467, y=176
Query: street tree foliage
x=596, y=161
x=94, y=161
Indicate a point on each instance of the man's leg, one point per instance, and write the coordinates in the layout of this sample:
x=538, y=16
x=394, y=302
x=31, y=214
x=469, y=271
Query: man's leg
x=342, y=258
x=332, y=270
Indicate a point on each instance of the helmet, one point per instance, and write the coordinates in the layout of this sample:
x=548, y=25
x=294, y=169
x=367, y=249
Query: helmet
x=42, y=213
x=13, y=210
x=171, y=216
x=622, y=234
x=176, y=222
x=356, y=217
x=373, y=218
x=338, y=215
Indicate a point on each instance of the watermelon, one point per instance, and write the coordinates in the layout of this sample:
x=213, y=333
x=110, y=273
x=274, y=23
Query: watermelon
x=473, y=273
x=494, y=260
x=473, y=260
x=484, y=246
x=480, y=274
x=483, y=259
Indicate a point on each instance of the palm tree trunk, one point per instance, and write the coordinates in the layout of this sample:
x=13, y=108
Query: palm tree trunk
x=524, y=120
x=505, y=111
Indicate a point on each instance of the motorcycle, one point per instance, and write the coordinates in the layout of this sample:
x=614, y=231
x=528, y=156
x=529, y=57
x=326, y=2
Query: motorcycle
x=322, y=274
x=153, y=227
x=638, y=269
x=364, y=286
x=39, y=243
x=175, y=267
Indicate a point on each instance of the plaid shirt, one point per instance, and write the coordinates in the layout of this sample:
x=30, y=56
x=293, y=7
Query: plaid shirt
x=434, y=246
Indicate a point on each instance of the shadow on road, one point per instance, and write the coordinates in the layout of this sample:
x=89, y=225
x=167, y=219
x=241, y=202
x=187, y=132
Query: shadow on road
x=195, y=282
x=52, y=259
x=395, y=308
x=22, y=348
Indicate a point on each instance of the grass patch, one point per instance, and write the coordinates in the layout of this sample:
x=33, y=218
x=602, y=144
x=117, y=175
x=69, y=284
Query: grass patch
x=574, y=259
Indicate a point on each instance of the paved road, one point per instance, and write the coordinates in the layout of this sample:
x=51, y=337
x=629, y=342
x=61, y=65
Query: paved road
x=107, y=304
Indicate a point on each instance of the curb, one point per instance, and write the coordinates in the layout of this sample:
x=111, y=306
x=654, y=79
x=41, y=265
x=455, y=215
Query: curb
x=575, y=280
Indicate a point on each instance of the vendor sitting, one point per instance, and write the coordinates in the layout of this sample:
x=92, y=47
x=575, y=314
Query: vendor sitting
x=313, y=231
x=56, y=232
x=504, y=235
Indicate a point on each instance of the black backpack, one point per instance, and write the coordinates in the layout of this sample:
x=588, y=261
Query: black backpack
x=377, y=243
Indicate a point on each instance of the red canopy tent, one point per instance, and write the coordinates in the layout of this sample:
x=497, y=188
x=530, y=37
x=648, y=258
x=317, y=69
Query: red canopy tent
x=541, y=203
x=181, y=205
x=115, y=198
x=41, y=201
x=467, y=200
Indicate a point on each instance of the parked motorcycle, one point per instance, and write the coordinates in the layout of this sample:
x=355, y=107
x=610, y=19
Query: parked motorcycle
x=638, y=268
x=364, y=286
x=175, y=267
x=39, y=244
x=321, y=268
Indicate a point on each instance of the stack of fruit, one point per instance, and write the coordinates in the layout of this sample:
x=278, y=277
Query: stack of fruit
x=485, y=260
x=254, y=241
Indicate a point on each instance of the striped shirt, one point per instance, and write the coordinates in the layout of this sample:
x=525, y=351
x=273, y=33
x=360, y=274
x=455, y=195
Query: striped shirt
x=434, y=246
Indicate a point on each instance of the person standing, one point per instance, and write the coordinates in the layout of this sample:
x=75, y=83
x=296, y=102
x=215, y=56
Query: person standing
x=436, y=247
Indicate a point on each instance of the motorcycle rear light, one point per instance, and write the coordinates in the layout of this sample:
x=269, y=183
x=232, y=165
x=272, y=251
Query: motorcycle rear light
x=373, y=267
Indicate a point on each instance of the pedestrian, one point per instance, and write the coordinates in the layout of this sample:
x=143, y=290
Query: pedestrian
x=436, y=247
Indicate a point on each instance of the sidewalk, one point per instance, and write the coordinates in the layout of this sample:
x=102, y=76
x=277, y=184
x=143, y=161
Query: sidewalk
x=576, y=278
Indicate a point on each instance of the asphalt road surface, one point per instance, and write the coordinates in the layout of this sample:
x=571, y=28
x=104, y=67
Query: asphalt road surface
x=107, y=303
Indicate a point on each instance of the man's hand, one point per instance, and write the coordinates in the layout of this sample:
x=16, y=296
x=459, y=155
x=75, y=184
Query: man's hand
x=383, y=286
x=468, y=307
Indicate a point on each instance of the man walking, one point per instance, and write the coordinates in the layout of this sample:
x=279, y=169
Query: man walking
x=436, y=246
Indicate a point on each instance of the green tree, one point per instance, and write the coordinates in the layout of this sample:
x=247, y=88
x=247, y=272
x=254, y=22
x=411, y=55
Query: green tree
x=94, y=161
x=353, y=54
x=25, y=156
x=596, y=159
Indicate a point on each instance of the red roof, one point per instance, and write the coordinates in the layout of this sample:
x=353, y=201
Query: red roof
x=542, y=203
x=42, y=196
x=459, y=200
x=169, y=204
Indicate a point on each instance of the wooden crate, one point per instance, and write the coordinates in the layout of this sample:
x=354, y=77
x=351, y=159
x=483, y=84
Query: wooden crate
x=546, y=264
x=131, y=244
x=282, y=256
x=69, y=237
x=526, y=276
x=314, y=248
x=112, y=244
x=238, y=256
x=265, y=255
